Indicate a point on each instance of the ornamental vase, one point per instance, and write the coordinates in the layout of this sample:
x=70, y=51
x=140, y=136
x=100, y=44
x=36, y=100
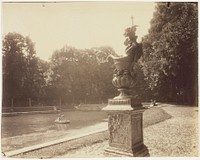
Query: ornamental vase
x=122, y=78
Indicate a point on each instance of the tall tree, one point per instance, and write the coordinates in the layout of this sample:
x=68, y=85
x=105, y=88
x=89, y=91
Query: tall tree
x=14, y=66
x=170, y=52
x=21, y=76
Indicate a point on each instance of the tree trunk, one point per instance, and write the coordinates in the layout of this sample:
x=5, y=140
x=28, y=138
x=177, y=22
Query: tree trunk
x=12, y=105
x=60, y=101
x=29, y=102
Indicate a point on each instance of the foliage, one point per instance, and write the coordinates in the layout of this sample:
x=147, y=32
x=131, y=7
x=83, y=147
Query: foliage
x=71, y=76
x=141, y=89
x=79, y=76
x=170, y=52
x=22, y=73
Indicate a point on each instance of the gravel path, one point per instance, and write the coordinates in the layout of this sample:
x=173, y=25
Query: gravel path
x=174, y=137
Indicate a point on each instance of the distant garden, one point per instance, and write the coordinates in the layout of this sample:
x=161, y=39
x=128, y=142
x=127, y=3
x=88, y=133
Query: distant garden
x=166, y=71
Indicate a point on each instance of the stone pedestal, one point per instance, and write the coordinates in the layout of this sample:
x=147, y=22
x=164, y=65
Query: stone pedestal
x=125, y=128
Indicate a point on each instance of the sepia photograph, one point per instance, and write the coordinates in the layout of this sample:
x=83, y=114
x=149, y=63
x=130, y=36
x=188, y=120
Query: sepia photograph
x=99, y=79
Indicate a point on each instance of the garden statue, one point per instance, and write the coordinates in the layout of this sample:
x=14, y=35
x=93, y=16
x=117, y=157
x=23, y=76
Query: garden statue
x=61, y=119
x=124, y=74
x=125, y=111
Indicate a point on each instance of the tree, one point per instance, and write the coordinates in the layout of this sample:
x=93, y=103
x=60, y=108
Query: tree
x=21, y=73
x=81, y=76
x=13, y=66
x=170, y=52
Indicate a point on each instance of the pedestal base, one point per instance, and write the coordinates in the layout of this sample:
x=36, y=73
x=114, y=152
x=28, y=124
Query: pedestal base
x=125, y=123
x=141, y=152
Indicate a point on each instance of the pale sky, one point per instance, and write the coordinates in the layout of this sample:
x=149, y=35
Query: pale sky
x=78, y=24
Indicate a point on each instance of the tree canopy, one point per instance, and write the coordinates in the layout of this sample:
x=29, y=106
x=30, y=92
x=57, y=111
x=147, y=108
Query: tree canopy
x=170, y=52
x=79, y=76
x=71, y=76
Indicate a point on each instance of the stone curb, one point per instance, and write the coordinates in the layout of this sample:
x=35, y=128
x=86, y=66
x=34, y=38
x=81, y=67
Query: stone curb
x=51, y=143
x=31, y=112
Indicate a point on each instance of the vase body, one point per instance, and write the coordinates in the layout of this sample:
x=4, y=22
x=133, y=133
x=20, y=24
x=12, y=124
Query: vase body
x=122, y=78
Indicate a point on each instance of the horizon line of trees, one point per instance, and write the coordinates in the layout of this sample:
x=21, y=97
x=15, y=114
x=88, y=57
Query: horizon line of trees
x=166, y=71
x=72, y=75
